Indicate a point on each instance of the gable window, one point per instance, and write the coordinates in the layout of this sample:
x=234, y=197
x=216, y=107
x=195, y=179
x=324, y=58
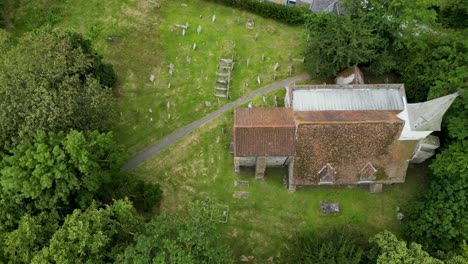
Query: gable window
x=368, y=173
x=327, y=174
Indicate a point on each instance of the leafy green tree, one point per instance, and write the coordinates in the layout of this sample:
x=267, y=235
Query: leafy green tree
x=439, y=221
x=337, y=42
x=454, y=13
x=338, y=245
x=32, y=234
x=190, y=238
x=60, y=170
x=96, y=235
x=385, y=248
x=53, y=81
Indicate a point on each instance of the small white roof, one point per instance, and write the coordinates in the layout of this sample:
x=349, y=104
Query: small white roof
x=363, y=97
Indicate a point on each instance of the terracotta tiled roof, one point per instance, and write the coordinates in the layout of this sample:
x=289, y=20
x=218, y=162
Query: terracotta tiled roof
x=361, y=116
x=263, y=132
x=264, y=117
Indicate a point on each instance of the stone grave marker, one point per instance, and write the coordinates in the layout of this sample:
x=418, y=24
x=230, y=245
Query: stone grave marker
x=329, y=208
x=194, y=46
x=171, y=68
x=241, y=195
x=213, y=19
x=249, y=23
x=199, y=29
x=242, y=184
x=151, y=78
x=258, y=79
x=248, y=62
x=276, y=66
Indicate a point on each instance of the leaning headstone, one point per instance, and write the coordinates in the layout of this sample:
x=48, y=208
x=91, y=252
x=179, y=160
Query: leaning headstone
x=248, y=62
x=150, y=110
x=199, y=29
x=168, y=105
x=263, y=57
x=207, y=104
x=264, y=99
x=250, y=105
x=151, y=119
x=213, y=19
x=168, y=116
x=194, y=46
x=183, y=32
x=189, y=59
x=151, y=78
x=258, y=79
x=276, y=66
x=169, y=85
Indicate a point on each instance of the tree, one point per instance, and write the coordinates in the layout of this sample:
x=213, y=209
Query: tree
x=439, y=221
x=190, y=238
x=454, y=13
x=58, y=170
x=32, y=234
x=96, y=235
x=337, y=42
x=338, y=245
x=53, y=81
x=385, y=248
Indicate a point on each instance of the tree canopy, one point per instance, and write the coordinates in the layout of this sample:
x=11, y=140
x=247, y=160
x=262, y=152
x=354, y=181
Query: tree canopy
x=51, y=169
x=54, y=81
x=180, y=238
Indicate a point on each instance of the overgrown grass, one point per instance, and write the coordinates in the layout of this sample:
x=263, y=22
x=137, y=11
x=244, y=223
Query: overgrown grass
x=200, y=167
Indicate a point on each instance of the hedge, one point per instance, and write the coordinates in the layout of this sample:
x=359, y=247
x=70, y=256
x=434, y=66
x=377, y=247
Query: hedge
x=291, y=15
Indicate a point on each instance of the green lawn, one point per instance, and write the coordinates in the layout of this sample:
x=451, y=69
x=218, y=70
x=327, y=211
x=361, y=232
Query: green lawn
x=201, y=167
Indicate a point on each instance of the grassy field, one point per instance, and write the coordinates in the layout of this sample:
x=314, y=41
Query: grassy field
x=200, y=167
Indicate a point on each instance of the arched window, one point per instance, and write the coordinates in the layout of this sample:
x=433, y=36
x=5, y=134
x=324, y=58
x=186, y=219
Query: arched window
x=368, y=173
x=327, y=174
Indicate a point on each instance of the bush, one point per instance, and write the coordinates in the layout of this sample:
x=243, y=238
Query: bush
x=290, y=15
x=338, y=245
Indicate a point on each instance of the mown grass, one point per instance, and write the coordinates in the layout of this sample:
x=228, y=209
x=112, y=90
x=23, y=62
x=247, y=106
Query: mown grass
x=201, y=167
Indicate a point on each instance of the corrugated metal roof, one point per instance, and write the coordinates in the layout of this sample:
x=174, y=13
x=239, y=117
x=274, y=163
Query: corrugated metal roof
x=322, y=99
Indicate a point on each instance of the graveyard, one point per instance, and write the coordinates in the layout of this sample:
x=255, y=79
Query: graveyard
x=177, y=62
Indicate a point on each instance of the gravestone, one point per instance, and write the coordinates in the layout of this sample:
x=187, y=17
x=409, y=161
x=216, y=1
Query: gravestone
x=276, y=66
x=168, y=105
x=213, y=19
x=249, y=23
x=171, y=68
x=264, y=99
x=290, y=68
x=189, y=59
x=169, y=85
x=242, y=184
x=329, y=208
x=258, y=79
x=256, y=36
x=183, y=32
x=248, y=62
x=250, y=105
x=241, y=195
x=194, y=46
x=207, y=104
x=150, y=110
x=263, y=57
x=151, y=78
x=199, y=29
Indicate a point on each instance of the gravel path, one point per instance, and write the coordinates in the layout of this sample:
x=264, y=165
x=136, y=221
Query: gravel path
x=172, y=138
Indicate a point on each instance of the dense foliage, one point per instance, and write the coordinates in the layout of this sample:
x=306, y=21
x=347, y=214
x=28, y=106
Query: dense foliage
x=181, y=238
x=52, y=169
x=291, y=15
x=336, y=246
x=337, y=42
x=385, y=248
x=53, y=81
